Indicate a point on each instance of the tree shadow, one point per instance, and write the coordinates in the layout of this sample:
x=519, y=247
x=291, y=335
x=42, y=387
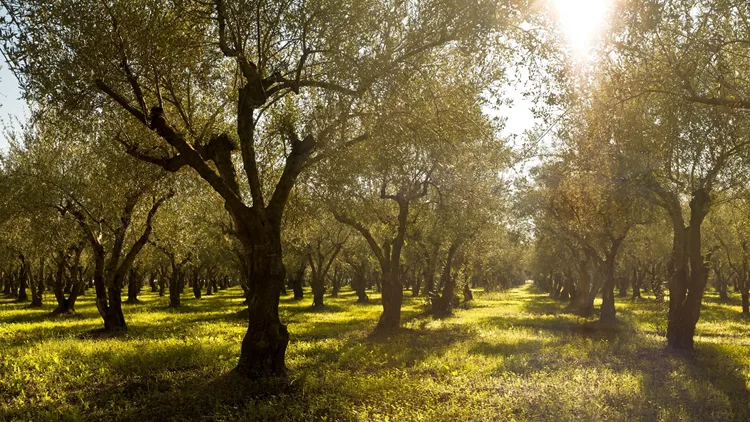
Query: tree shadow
x=29, y=316
x=706, y=384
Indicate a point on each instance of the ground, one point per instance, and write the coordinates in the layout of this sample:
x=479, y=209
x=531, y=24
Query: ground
x=514, y=355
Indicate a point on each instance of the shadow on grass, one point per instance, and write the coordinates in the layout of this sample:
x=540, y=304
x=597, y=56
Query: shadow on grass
x=29, y=316
x=707, y=384
x=176, y=383
x=712, y=364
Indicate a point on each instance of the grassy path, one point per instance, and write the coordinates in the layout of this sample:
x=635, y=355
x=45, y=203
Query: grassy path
x=516, y=355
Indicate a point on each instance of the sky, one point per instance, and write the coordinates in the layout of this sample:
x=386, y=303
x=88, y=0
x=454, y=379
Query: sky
x=11, y=106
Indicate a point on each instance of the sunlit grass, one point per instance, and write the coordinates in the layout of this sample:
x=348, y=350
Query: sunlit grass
x=516, y=355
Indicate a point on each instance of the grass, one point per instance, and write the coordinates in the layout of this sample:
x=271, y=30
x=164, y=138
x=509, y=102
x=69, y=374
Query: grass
x=516, y=355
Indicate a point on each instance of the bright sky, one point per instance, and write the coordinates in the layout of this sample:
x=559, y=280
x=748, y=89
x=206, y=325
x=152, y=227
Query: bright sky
x=582, y=21
x=11, y=106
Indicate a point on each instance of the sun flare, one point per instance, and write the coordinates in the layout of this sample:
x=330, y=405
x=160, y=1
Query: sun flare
x=582, y=21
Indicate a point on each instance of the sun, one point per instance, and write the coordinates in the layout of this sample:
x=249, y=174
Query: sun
x=582, y=21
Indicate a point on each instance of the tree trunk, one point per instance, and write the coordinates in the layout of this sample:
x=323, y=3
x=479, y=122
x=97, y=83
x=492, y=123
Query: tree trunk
x=210, y=285
x=721, y=285
x=359, y=282
x=37, y=286
x=7, y=282
x=744, y=287
x=114, y=319
x=568, y=290
x=174, y=289
x=298, y=279
x=468, y=295
x=623, y=287
x=416, y=286
x=197, y=286
x=264, y=346
x=337, y=280
x=637, y=280
x=585, y=307
x=152, y=283
x=23, y=278
x=392, y=295
x=63, y=305
x=443, y=304
x=134, y=286
x=429, y=281
x=318, y=290
x=689, y=275
x=36, y=292
x=360, y=289
x=607, y=312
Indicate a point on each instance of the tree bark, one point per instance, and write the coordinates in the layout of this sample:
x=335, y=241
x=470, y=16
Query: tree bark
x=38, y=287
x=637, y=281
x=318, y=291
x=744, y=287
x=336, y=281
x=210, y=285
x=468, y=295
x=134, y=286
x=392, y=297
x=607, y=311
x=689, y=274
x=152, y=282
x=66, y=306
x=23, y=279
x=197, y=285
x=443, y=304
x=297, y=280
x=623, y=286
x=7, y=282
x=264, y=345
x=360, y=289
x=175, y=280
x=585, y=306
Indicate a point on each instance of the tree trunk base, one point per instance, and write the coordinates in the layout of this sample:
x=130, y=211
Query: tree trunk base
x=63, y=312
x=680, y=338
x=114, y=321
x=263, y=352
x=388, y=324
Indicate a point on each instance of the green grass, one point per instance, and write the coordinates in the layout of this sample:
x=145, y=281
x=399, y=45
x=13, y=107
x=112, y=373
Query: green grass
x=516, y=355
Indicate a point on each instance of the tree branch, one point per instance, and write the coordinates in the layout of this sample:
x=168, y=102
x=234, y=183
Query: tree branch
x=294, y=165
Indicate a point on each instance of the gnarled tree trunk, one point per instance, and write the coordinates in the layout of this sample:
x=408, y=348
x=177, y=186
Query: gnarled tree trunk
x=585, y=306
x=607, y=311
x=443, y=304
x=689, y=273
x=134, y=286
x=264, y=345
x=66, y=305
x=23, y=279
